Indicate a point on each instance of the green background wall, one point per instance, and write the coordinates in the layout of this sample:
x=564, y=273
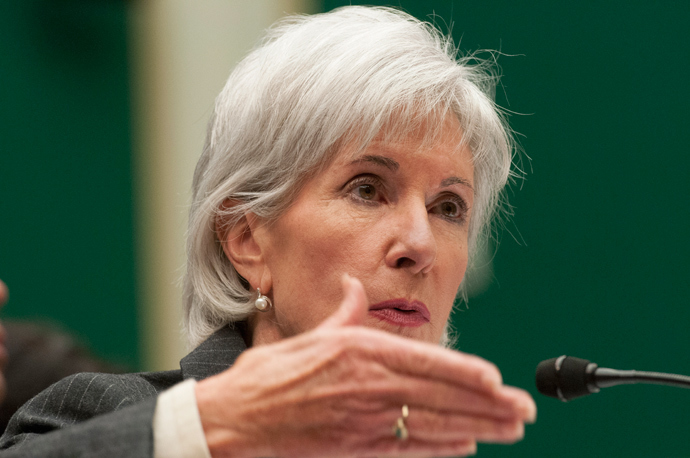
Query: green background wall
x=602, y=272
x=66, y=230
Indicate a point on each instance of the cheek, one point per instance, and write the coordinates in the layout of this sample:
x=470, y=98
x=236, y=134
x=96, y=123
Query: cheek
x=329, y=237
x=452, y=265
x=309, y=255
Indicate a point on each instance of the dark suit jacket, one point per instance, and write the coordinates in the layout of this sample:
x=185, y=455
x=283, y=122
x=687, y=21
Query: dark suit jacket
x=106, y=415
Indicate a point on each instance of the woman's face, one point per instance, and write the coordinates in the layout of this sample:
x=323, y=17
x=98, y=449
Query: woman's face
x=396, y=217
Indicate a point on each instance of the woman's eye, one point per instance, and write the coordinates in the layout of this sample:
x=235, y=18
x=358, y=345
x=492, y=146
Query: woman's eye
x=450, y=209
x=366, y=188
x=366, y=191
x=453, y=209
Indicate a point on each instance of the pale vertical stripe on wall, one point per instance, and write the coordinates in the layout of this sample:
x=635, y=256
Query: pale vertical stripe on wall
x=182, y=52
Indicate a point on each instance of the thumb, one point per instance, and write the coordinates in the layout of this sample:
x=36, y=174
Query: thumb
x=354, y=307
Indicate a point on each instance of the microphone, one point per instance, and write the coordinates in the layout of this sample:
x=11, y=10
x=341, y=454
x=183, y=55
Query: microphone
x=567, y=377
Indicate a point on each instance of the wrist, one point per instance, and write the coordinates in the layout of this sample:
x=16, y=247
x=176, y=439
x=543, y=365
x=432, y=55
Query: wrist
x=224, y=430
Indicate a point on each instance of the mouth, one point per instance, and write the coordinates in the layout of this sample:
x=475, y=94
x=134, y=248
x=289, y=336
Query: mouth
x=401, y=312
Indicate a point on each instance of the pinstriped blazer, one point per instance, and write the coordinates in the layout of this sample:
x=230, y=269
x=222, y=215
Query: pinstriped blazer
x=107, y=415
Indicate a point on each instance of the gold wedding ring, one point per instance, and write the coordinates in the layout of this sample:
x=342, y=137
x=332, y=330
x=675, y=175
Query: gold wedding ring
x=400, y=429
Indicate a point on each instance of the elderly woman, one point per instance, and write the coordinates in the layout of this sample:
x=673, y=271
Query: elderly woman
x=352, y=167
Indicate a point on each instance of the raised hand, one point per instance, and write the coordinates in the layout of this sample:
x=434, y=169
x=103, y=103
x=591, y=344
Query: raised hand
x=338, y=391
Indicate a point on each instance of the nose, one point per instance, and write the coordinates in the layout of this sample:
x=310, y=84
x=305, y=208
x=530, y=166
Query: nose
x=413, y=246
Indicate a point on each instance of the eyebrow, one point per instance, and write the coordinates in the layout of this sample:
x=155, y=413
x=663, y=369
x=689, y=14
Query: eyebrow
x=393, y=165
x=379, y=160
x=456, y=180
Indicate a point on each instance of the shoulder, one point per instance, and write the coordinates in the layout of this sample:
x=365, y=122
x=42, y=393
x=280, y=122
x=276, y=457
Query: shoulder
x=89, y=394
x=80, y=397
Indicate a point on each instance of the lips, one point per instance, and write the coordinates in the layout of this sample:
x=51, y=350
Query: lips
x=401, y=312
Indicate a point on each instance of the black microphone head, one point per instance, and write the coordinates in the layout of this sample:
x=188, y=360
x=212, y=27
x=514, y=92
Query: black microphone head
x=547, y=378
x=565, y=378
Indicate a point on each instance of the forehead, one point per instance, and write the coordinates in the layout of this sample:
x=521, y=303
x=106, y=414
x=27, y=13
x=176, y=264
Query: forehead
x=440, y=137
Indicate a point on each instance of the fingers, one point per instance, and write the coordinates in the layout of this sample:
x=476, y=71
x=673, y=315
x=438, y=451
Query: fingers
x=423, y=449
x=354, y=307
x=506, y=403
x=419, y=359
x=450, y=380
x=413, y=372
x=443, y=413
x=434, y=433
x=437, y=427
x=522, y=400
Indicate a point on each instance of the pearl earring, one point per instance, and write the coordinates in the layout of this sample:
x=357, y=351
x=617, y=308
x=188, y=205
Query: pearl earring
x=262, y=303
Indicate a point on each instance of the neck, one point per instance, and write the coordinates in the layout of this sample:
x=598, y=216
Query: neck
x=263, y=329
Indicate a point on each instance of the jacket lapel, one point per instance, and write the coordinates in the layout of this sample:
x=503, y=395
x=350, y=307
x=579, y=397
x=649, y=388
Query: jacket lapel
x=215, y=354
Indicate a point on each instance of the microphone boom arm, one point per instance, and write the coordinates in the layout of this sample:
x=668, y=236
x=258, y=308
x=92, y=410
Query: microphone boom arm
x=606, y=377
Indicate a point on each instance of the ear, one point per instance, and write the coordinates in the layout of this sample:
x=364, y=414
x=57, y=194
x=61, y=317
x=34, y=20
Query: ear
x=243, y=248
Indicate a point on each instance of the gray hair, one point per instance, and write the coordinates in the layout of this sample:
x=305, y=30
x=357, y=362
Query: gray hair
x=313, y=84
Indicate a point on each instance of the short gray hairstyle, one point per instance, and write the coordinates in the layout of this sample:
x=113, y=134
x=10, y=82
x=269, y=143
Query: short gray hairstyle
x=313, y=84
